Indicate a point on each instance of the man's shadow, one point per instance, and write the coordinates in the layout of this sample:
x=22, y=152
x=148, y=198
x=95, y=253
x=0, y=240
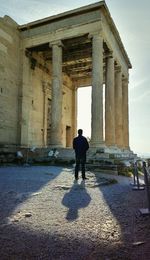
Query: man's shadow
x=76, y=199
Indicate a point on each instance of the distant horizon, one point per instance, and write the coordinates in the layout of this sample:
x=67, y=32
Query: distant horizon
x=144, y=155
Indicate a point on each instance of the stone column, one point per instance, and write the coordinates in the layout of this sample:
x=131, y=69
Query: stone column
x=109, y=102
x=56, y=119
x=26, y=102
x=125, y=113
x=118, y=108
x=45, y=90
x=74, y=111
x=97, y=138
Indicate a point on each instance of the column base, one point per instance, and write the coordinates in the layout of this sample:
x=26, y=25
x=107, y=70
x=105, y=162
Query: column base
x=55, y=146
x=99, y=144
x=113, y=149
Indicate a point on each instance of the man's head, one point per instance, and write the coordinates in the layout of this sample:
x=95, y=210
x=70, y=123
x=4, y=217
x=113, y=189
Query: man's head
x=80, y=131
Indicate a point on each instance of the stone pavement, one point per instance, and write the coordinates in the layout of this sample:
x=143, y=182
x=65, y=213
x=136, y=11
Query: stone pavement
x=45, y=215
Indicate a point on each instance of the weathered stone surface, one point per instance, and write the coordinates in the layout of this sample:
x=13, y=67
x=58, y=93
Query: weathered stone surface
x=42, y=65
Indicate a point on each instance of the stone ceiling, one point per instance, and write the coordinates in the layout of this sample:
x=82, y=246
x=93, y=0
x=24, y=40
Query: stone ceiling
x=77, y=56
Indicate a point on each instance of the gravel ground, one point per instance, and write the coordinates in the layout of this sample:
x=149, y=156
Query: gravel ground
x=44, y=214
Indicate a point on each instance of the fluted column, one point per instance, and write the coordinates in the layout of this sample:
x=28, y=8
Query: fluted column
x=74, y=111
x=45, y=107
x=26, y=103
x=125, y=113
x=97, y=138
x=118, y=108
x=56, y=116
x=109, y=102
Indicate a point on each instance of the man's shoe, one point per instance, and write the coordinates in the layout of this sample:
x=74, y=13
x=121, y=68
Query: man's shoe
x=84, y=178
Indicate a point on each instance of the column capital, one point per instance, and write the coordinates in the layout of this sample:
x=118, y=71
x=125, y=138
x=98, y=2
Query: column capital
x=58, y=43
x=109, y=54
x=125, y=79
x=96, y=34
x=118, y=68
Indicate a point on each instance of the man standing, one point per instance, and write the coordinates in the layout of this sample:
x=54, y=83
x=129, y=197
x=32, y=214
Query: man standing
x=80, y=145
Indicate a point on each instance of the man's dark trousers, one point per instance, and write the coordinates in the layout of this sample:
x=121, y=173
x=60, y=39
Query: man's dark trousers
x=80, y=161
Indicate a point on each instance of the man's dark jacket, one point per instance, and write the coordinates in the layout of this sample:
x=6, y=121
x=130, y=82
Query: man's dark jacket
x=80, y=145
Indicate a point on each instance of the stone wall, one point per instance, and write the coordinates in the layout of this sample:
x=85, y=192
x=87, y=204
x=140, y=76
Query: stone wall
x=11, y=95
x=67, y=119
x=40, y=78
x=40, y=93
x=9, y=80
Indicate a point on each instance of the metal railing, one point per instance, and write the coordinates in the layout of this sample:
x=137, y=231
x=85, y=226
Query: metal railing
x=136, y=183
x=146, y=211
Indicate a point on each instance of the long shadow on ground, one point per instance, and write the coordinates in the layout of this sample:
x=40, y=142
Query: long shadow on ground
x=75, y=199
x=17, y=184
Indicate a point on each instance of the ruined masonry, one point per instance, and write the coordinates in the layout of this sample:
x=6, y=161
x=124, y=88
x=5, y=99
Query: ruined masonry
x=42, y=65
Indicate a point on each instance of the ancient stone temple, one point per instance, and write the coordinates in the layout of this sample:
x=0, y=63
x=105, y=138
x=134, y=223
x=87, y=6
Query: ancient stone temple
x=42, y=65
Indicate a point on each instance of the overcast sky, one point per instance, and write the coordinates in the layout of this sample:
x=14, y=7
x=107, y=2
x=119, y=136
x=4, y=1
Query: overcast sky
x=132, y=20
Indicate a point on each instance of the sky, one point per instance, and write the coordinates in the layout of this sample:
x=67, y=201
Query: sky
x=132, y=20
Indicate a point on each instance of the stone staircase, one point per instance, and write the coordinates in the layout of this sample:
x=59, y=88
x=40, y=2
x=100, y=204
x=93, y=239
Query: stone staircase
x=97, y=159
